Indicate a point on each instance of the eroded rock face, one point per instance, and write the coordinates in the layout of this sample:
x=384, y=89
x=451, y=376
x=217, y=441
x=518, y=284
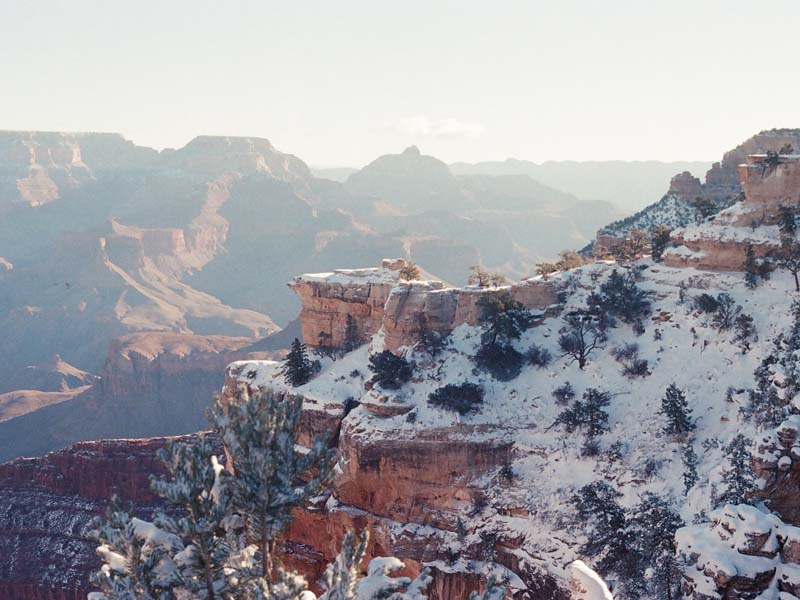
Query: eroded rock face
x=741, y=553
x=47, y=505
x=686, y=186
x=413, y=490
x=720, y=244
x=376, y=298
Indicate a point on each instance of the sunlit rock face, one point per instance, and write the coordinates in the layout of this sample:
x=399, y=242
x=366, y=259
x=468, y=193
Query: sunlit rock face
x=720, y=243
x=378, y=299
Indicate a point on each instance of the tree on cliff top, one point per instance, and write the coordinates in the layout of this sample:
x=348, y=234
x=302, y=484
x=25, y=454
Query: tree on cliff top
x=297, y=369
x=220, y=547
x=409, y=272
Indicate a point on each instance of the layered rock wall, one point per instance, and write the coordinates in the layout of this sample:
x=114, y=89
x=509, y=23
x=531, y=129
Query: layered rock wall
x=46, y=509
x=376, y=299
x=720, y=244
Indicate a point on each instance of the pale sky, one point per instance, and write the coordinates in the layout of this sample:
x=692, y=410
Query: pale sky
x=341, y=82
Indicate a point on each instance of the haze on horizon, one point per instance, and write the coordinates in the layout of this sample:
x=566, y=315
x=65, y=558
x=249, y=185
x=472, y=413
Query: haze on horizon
x=339, y=84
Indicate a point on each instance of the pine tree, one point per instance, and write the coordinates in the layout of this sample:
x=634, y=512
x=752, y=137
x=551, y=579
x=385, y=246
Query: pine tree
x=391, y=371
x=492, y=591
x=343, y=580
x=501, y=317
x=788, y=258
x=595, y=419
x=429, y=341
x=750, y=267
x=659, y=238
x=677, y=412
x=727, y=312
x=745, y=331
x=787, y=223
x=737, y=477
x=134, y=567
x=197, y=483
x=588, y=415
x=297, y=369
x=599, y=510
x=689, y=459
x=352, y=339
x=703, y=208
x=260, y=432
x=652, y=524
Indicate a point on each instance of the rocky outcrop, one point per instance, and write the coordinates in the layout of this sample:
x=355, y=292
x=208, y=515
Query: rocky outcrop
x=377, y=298
x=720, y=243
x=723, y=185
x=413, y=489
x=742, y=553
x=414, y=306
x=686, y=186
x=329, y=298
x=47, y=505
x=777, y=462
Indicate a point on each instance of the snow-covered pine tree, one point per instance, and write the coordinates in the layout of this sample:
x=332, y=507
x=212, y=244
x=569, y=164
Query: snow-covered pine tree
x=342, y=574
x=197, y=483
x=138, y=563
x=595, y=418
x=297, y=368
x=677, y=412
x=598, y=508
x=343, y=580
x=689, y=459
x=652, y=524
x=737, y=478
x=259, y=430
x=750, y=267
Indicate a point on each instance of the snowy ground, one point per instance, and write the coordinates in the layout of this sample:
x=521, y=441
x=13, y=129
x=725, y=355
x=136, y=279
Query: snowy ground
x=548, y=467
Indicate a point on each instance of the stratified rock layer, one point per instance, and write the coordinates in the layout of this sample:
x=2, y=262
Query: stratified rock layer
x=46, y=508
x=377, y=298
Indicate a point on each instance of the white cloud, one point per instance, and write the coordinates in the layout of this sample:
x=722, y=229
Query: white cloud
x=423, y=126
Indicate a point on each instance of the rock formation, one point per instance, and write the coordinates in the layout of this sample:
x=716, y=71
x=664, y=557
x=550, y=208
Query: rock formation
x=47, y=505
x=685, y=186
x=720, y=243
x=376, y=299
x=742, y=553
x=152, y=383
x=723, y=186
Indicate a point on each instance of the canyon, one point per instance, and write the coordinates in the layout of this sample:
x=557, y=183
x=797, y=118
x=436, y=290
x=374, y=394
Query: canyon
x=465, y=495
x=101, y=239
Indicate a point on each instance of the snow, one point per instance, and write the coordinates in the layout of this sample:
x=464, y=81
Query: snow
x=369, y=275
x=586, y=579
x=549, y=468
